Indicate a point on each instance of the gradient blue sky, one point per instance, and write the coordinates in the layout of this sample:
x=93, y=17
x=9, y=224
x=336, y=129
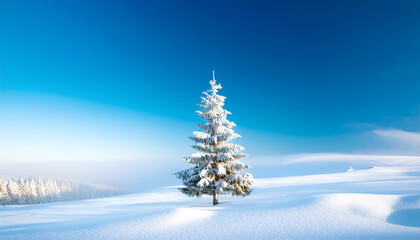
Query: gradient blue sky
x=90, y=76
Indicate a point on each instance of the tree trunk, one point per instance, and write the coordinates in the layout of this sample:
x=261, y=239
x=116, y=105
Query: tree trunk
x=215, y=198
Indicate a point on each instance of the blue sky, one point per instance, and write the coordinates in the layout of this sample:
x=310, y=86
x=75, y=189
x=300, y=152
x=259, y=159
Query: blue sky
x=299, y=75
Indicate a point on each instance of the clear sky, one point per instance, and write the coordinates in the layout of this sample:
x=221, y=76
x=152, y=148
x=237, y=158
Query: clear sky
x=94, y=80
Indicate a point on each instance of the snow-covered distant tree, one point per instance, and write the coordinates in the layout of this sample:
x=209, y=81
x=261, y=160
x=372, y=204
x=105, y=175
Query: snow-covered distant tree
x=14, y=191
x=25, y=188
x=4, y=193
x=217, y=169
x=40, y=189
x=33, y=192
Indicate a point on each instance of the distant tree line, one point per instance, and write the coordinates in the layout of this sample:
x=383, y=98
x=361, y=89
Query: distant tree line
x=36, y=190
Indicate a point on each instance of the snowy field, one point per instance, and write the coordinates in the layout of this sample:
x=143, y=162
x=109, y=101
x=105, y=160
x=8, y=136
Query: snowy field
x=381, y=202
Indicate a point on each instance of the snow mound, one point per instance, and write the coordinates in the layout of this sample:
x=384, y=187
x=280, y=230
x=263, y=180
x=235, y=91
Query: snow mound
x=374, y=206
x=407, y=212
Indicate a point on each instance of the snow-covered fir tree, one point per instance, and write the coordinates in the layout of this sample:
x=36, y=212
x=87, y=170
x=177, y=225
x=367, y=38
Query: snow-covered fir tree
x=217, y=167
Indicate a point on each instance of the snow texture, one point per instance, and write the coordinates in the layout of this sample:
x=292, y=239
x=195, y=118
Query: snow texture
x=376, y=203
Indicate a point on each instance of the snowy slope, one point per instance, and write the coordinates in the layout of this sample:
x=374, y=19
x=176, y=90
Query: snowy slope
x=376, y=203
